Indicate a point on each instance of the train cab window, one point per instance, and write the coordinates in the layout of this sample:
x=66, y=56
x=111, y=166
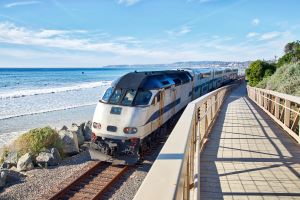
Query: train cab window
x=177, y=81
x=116, y=96
x=128, y=98
x=185, y=78
x=142, y=98
x=165, y=82
x=107, y=94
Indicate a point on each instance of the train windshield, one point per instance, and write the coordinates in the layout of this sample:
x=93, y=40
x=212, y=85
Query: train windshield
x=126, y=97
x=116, y=96
x=107, y=94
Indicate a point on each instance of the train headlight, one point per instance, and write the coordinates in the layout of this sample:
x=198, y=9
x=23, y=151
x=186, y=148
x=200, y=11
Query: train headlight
x=130, y=130
x=96, y=125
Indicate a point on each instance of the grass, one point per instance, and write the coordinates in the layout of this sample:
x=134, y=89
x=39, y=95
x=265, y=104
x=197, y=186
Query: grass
x=34, y=142
x=286, y=80
x=37, y=140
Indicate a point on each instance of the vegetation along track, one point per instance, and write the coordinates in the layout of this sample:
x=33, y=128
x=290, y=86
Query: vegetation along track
x=93, y=183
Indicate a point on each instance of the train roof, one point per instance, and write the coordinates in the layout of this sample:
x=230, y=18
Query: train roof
x=200, y=70
x=148, y=80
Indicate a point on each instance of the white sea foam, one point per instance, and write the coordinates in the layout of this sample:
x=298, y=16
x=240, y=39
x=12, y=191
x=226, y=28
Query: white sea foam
x=46, y=111
x=31, y=92
x=7, y=138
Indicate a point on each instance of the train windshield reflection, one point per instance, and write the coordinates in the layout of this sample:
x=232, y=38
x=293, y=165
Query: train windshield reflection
x=126, y=97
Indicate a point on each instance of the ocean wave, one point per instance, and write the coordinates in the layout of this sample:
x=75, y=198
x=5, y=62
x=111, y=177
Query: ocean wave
x=45, y=111
x=31, y=92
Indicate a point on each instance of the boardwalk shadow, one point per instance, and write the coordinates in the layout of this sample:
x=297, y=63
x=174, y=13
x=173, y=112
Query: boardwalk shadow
x=219, y=173
x=209, y=177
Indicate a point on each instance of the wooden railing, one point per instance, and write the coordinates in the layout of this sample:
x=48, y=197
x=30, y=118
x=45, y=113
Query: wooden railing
x=282, y=108
x=175, y=174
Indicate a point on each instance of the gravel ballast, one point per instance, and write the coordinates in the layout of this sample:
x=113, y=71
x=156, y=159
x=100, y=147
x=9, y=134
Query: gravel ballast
x=37, y=183
x=40, y=183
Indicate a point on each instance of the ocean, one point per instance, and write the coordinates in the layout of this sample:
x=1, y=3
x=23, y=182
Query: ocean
x=32, y=98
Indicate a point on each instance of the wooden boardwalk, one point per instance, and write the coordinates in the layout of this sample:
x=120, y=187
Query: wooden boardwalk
x=248, y=156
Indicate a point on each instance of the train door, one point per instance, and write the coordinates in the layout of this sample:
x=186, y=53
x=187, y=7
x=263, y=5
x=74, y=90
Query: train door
x=173, y=94
x=161, y=107
x=157, y=110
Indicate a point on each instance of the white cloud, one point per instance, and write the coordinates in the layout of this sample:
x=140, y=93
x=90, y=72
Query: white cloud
x=270, y=35
x=20, y=3
x=252, y=34
x=255, y=21
x=81, y=48
x=128, y=2
x=71, y=40
x=181, y=31
x=200, y=1
x=205, y=1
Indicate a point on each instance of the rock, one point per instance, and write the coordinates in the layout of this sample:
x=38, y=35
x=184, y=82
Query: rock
x=64, y=128
x=3, y=175
x=78, y=130
x=4, y=166
x=56, y=154
x=50, y=158
x=11, y=159
x=70, y=142
x=87, y=130
x=25, y=163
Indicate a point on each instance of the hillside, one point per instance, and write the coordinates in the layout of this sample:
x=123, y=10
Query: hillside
x=286, y=79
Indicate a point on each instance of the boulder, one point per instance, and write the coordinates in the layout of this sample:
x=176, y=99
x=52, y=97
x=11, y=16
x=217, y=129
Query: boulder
x=56, y=154
x=4, y=166
x=64, y=128
x=87, y=130
x=11, y=159
x=49, y=158
x=70, y=142
x=25, y=163
x=78, y=130
x=3, y=175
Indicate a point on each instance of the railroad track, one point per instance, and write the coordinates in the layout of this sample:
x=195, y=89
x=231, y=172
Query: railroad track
x=92, y=184
x=97, y=179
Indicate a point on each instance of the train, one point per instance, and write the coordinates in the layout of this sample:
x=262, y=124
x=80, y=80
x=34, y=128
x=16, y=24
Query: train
x=137, y=107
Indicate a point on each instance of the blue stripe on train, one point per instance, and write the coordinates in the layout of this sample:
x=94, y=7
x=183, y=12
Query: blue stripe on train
x=168, y=107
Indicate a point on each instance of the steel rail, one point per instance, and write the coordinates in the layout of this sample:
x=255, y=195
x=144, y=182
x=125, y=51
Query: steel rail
x=93, y=183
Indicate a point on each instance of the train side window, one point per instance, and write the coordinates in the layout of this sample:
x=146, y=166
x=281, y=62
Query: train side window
x=157, y=98
x=177, y=81
x=142, y=98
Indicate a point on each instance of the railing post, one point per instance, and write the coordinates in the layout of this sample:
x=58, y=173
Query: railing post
x=277, y=101
x=213, y=106
x=209, y=109
x=261, y=95
x=287, y=113
x=265, y=101
x=256, y=100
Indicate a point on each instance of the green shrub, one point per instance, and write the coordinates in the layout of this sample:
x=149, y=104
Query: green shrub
x=286, y=80
x=287, y=58
x=258, y=70
x=3, y=153
x=37, y=140
x=292, y=53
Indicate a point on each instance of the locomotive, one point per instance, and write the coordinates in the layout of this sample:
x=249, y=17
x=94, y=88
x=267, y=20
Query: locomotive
x=135, y=108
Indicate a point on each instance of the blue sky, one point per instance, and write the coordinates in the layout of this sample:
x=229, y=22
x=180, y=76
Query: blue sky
x=91, y=33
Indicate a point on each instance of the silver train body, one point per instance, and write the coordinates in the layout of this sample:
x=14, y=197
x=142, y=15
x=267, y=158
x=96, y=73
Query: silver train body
x=137, y=105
